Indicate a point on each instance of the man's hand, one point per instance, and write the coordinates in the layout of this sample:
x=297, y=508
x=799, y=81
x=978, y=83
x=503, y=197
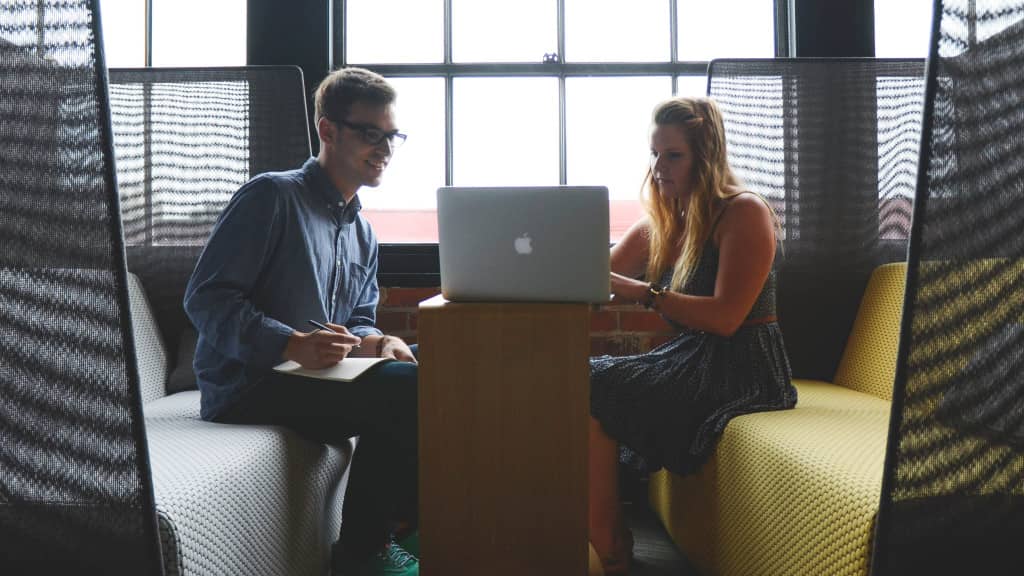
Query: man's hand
x=319, y=348
x=395, y=347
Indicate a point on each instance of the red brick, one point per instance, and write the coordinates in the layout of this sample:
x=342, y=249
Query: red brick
x=616, y=345
x=414, y=320
x=604, y=321
x=408, y=297
x=644, y=321
x=619, y=307
x=393, y=322
x=598, y=346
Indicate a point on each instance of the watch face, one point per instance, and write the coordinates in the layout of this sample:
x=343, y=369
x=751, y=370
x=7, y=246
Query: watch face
x=654, y=291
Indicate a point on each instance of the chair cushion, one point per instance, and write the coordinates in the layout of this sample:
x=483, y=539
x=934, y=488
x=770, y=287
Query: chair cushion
x=234, y=499
x=788, y=492
x=868, y=363
x=149, y=345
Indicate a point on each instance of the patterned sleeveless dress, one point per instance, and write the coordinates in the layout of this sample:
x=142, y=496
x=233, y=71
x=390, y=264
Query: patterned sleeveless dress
x=668, y=407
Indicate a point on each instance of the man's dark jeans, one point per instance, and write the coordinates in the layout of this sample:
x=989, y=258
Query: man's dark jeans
x=381, y=408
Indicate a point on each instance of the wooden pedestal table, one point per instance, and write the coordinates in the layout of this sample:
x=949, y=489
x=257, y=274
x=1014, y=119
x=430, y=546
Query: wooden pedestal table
x=504, y=403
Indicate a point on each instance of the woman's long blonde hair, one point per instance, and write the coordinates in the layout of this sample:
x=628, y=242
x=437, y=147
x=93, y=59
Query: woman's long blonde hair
x=673, y=225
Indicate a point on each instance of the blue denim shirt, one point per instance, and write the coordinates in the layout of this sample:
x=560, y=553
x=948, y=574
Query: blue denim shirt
x=285, y=250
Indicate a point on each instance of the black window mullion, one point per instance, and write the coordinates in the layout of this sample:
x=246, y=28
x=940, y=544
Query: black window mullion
x=149, y=34
x=339, y=39
x=560, y=30
x=447, y=36
x=511, y=69
x=673, y=31
x=562, y=130
x=673, y=40
x=449, y=129
x=785, y=41
x=675, y=68
x=449, y=99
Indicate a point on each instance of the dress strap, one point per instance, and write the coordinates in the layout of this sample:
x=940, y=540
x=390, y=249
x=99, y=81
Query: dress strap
x=721, y=212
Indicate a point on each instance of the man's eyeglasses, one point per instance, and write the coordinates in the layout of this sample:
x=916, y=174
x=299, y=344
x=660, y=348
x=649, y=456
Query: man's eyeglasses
x=375, y=136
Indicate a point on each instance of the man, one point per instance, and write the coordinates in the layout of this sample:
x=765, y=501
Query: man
x=291, y=247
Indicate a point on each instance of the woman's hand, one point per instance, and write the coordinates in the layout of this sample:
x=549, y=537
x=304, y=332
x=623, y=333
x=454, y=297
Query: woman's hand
x=626, y=289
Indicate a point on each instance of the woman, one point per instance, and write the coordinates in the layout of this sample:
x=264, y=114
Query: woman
x=705, y=251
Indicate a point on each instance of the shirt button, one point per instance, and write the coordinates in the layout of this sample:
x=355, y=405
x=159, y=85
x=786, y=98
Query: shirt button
x=339, y=263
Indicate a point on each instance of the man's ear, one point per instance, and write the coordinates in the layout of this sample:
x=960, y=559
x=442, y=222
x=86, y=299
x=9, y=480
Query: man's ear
x=326, y=130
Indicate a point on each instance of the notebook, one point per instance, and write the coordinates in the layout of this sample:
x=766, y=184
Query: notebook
x=345, y=371
x=529, y=244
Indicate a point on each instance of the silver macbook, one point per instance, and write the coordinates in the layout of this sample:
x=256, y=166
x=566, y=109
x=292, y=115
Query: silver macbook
x=539, y=244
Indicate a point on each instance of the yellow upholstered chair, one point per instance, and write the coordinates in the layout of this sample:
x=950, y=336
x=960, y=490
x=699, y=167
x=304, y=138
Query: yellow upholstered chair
x=797, y=491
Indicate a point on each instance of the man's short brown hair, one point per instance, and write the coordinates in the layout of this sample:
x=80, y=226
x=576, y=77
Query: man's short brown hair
x=346, y=86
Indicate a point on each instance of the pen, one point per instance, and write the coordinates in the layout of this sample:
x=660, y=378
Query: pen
x=323, y=327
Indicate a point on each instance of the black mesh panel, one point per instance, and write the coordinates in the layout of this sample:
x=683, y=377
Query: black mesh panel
x=953, y=493
x=833, y=144
x=75, y=488
x=186, y=139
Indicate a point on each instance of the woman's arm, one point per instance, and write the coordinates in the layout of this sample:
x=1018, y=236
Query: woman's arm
x=746, y=247
x=629, y=255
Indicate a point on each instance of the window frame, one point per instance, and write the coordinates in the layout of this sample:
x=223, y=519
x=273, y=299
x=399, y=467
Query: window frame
x=416, y=265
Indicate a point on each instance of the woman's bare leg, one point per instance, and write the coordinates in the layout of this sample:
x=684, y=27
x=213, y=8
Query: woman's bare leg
x=606, y=524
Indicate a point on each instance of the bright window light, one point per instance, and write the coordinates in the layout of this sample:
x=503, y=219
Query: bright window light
x=692, y=86
x=503, y=30
x=199, y=32
x=637, y=27
x=402, y=208
x=501, y=106
x=124, y=32
x=415, y=38
x=608, y=124
x=726, y=29
x=506, y=131
x=902, y=28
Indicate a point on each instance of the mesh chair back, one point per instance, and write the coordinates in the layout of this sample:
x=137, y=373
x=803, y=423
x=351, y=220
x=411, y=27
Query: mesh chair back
x=953, y=490
x=833, y=144
x=75, y=488
x=186, y=139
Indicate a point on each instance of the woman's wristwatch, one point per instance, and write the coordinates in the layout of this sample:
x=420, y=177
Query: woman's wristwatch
x=654, y=292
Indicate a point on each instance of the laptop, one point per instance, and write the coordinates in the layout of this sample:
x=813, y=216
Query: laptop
x=524, y=244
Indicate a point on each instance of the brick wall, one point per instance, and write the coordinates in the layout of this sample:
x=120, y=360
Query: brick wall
x=614, y=329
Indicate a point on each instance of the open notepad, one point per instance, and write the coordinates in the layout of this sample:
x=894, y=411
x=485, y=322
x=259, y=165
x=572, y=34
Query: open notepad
x=345, y=371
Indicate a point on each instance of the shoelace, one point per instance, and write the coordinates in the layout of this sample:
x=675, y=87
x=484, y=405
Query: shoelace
x=397, y=555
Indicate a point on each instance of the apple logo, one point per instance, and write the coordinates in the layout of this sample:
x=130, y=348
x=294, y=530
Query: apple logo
x=523, y=244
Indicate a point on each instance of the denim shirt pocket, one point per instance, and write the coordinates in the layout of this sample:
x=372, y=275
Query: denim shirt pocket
x=355, y=284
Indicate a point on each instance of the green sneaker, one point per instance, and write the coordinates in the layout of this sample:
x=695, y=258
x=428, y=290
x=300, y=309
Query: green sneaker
x=393, y=560
x=411, y=543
